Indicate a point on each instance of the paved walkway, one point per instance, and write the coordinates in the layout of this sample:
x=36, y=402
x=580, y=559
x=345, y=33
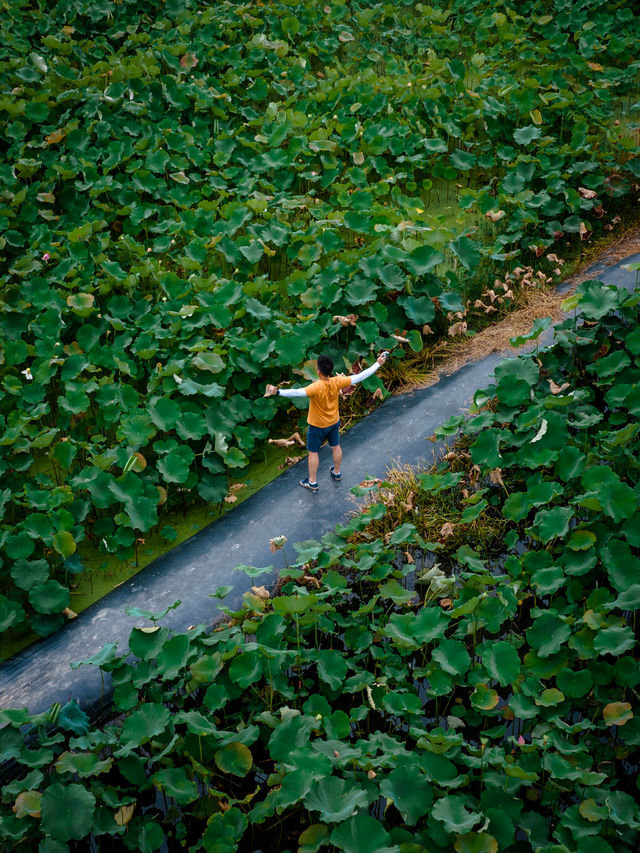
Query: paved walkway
x=397, y=430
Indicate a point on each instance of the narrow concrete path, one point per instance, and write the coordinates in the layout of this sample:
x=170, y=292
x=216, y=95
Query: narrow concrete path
x=397, y=431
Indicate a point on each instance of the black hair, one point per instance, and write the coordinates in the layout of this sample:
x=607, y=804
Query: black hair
x=325, y=365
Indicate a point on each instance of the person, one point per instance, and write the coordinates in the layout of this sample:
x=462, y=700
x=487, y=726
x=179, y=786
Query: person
x=324, y=417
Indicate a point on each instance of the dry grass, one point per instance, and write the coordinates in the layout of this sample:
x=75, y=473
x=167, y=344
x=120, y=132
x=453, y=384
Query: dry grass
x=449, y=355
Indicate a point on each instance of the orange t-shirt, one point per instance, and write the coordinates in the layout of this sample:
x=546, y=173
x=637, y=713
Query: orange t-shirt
x=323, y=400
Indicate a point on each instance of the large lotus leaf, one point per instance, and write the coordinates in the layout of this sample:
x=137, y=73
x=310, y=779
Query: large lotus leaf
x=224, y=831
x=210, y=361
x=478, y=842
x=143, y=724
x=49, y=597
x=467, y=251
x=452, y=657
x=410, y=791
x=453, y=812
x=81, y=303
x=595, y=299
x=551, y=523
x=485, y=451
x=574, y=683
x=336, y=799
x=174, y=466
x=67, y=812
x=526, y=135
x=363, y=832
x=360, y=290
x=164, y=412
x=83, y=763
x=517, y=505
x=614, y=640
x=64, y=543
x=423, y=259
x=246, y=668
x=609, y=365
x=175, y=782
x=547, y=634
x=234, y=758
x=173, y=656
x=332, y=667
x=502, y=662
x=189, y=388
x=401, y=703
x=419, y=309
x=622, y=567
x=29, y=573
x=11, y=613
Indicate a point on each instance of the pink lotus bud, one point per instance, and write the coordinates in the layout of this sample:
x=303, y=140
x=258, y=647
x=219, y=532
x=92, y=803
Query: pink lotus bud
x=46, y=256
x=521, y=740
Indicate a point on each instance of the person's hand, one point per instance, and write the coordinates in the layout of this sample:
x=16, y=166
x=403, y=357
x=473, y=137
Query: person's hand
x=270, y=391
x=382, y=357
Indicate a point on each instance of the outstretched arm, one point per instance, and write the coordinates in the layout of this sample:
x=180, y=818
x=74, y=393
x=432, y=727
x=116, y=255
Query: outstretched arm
x=369, y=371
x=272, y=391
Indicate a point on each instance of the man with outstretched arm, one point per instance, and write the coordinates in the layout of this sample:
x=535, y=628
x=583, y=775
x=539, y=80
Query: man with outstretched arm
x=323, y=417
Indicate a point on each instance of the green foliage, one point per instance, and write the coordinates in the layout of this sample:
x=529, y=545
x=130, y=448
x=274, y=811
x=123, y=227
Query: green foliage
x=189, y=196
x=348, y=714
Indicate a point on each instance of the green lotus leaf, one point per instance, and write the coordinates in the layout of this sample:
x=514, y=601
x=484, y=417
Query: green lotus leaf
x=332, y=667
x=175, y=782
x=67, y=812
x=419, y=309
x=485, y=451
x=548, y=524
x=484, y=698
x=210, y=361
x=423, y=259
x=502, y=662
x=615, y=640
x=476, y=842
x=410, y=791
x=29, y=573
x=148, y=721
x=245, y=669
x=627, y=600
x=81, y=304
x=234, y=758
x=467, y=251
x=360, y=291
x=335, y=799
x=550, y=697
x=402, y=703
x=164, y=412
x=547, y=634
x=596, y=299
x=581, y=540
x=574, y=683
x=463, y=160
x=49, y=597
x=453, y=812
x=11, y=613
x=609, y=365
x=313, y=838
x=452, y=657
x=83, y=763
x=64, y=543
x=621, y=565
x=175, y=465
x=526, y=135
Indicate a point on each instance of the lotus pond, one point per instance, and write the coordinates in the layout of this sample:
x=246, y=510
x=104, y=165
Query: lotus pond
x=496, y=709
x=193, y=195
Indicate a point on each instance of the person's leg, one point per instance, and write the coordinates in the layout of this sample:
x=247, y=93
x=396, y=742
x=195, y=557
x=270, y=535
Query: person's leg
x=336, y=452
x=313, y=461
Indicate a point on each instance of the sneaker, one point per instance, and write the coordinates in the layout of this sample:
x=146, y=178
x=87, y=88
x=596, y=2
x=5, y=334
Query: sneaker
x=307, y=485
x=334, y=476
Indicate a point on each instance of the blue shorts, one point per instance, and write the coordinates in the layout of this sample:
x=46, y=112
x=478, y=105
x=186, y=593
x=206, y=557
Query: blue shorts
x=316, y=436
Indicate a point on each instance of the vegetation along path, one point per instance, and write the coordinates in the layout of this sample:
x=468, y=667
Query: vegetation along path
x=397, y=431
